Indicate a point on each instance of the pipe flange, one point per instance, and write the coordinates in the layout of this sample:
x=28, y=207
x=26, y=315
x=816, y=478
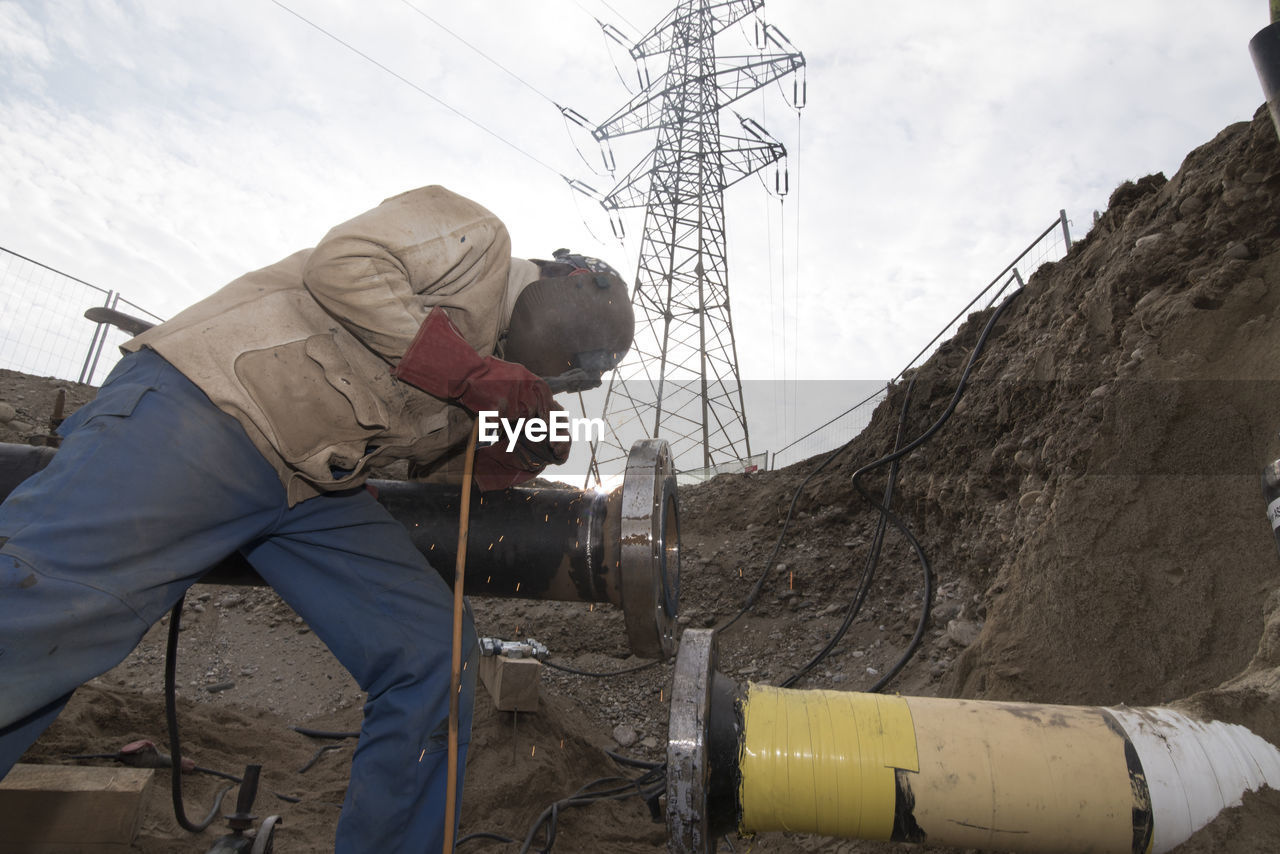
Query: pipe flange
x=650, y=549
x=688, y=755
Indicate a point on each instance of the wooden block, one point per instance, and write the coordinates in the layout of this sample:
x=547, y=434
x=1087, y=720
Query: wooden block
x=511, y=682
x=71, y=809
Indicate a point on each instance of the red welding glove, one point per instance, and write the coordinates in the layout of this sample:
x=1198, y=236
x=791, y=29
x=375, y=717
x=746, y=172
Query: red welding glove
x=498, y=468
x=442, y=363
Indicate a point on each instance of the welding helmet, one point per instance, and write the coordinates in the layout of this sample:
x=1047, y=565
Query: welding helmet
x=576, y=314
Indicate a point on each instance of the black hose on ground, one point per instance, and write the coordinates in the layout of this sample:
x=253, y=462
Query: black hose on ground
x=171, y=718
x=887, y=516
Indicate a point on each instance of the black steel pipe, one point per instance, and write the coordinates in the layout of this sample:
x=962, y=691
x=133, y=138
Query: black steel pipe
x=566, y=545
x=1264, y=48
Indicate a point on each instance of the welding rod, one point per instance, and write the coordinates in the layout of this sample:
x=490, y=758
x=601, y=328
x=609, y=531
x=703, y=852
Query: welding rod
x=455, y=675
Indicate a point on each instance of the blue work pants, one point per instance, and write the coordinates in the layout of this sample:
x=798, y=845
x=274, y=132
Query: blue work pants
x=152, y=486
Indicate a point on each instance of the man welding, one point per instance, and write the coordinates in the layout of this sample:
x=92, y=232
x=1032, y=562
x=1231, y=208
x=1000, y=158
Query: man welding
x=249, y=422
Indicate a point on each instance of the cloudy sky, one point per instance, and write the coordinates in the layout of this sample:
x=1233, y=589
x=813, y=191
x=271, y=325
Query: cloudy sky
x=161, y=148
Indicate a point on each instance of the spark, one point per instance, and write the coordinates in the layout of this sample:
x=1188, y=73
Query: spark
x=422, y=754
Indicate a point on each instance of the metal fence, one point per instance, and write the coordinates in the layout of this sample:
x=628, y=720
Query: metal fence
x=753, y=463
x=43, y=330
x=1050, y=245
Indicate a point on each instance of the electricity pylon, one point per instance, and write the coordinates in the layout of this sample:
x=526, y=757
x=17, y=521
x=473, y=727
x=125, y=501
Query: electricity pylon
x=680, y=381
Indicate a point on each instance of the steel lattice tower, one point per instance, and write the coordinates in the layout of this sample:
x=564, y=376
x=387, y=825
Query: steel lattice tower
x=680, y=382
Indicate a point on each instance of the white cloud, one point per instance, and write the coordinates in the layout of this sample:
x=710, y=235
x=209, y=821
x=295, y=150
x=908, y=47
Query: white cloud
x=162, y=148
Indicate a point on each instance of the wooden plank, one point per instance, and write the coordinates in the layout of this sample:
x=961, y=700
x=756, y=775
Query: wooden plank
x=71, y=809
x=511, y=682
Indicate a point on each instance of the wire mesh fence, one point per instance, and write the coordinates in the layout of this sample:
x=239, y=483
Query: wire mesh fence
x=753, y=463
x=43, y=330
x=831, y=434
x=1050, y=245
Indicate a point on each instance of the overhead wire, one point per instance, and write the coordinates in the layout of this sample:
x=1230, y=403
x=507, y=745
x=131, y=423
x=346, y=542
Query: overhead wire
x=561, y=109
x=778, y=407
x=419, y=89
x=604, y=29
x=797, y=279
x=620, y=16
x=484, y=55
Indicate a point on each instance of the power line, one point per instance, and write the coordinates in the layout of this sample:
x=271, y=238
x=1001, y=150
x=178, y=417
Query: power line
x=419, y=89
x=484, y=55
x=616, y=13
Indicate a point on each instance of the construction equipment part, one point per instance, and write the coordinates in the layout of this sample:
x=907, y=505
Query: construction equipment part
x=621, y=548
x=1264, y=49
x=991, y=776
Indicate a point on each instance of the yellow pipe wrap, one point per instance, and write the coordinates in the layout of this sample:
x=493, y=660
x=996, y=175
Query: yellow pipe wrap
x=823, y=761
x=969, y=774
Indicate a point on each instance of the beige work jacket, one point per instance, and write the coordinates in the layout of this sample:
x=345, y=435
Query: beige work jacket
x=301, y=352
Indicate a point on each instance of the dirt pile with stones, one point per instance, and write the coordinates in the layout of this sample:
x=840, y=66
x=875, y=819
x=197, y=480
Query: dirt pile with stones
x=1091, y=512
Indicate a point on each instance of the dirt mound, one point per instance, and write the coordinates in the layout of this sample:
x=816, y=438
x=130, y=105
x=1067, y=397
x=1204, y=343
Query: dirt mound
x=1091, y=512
x=1099, y=482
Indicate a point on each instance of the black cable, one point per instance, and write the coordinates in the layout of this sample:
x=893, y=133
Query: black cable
x=307, y=766
x=955, y=398
x=498, y=837
x=777, y=547
x=321, y=733
x=922, y=623
x=171, y=718
x=621, y=788
x=926, y=596
x=873, y=557
x=565, y=669
x=175, y=748
x=551, y=815
x=888, y=516
x=633, y=763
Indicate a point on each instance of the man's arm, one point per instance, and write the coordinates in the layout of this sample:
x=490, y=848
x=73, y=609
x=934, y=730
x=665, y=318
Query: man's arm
x=380, y=273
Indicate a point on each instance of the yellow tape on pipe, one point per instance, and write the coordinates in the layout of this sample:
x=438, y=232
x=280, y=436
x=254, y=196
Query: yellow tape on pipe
x=823, y=761
x=971, y=774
